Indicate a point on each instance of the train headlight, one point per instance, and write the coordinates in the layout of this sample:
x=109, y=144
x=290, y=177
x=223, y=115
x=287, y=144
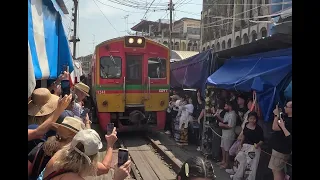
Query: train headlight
x=131, y=40
x=139, y=41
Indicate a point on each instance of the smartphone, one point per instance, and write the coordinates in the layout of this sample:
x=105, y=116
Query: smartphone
x=110, y=127
x=65, y=87
x=281, y=115
x=123, y=156
x=84, y=113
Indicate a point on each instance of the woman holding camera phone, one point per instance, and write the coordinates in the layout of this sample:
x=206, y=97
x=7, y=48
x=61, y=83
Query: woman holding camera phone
x=79, y=159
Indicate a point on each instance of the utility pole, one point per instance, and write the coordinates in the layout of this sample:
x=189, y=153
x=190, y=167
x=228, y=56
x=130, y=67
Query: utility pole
x=93, y=42
x=74, y=38
x=233, y=22
x=170, y=27
x=201, y=32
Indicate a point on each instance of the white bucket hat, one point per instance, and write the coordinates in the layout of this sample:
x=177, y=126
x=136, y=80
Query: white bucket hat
x=91, y=141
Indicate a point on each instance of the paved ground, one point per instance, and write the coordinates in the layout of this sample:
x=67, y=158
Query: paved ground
x=182, y=153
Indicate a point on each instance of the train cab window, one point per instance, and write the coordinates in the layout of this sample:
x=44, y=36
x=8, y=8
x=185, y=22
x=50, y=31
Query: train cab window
x=110, y=67
x=157, y=68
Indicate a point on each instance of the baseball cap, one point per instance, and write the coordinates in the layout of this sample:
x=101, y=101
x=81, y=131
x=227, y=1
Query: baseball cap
x=91, y=141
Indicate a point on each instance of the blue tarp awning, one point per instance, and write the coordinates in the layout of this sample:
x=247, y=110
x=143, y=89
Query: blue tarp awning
x=288, y=91
x=48, y=44
x=261, y=72
x=253, y=72
x=191, y=72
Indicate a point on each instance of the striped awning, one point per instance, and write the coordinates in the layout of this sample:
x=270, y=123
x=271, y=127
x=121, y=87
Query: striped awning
x=48, y=44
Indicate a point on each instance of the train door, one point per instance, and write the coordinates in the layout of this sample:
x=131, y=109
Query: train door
x=134, y=80
x=158, y=88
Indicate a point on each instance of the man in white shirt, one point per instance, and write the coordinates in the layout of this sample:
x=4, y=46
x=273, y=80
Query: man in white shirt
x=228, y=124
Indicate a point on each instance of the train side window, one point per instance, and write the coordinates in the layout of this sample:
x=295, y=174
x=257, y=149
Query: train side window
x=110, y=67
x=157, y=68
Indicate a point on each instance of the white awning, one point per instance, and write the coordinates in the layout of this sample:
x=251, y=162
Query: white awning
x=181, y=55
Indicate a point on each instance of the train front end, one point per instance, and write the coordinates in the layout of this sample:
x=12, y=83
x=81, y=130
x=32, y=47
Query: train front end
x=131, y=83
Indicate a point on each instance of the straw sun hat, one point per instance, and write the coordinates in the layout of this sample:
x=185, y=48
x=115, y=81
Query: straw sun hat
x=42, y=102
x=70, y=123
x=83, y=88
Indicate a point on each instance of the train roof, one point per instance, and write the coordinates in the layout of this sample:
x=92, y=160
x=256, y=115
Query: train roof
x=122, y=37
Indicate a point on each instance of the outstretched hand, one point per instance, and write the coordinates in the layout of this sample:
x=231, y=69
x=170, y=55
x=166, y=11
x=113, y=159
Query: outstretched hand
x=112, y=138
x=64, y=102
x=123, y=171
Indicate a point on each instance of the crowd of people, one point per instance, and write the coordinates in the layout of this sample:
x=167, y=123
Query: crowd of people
x=237, y=117
x=63, y=146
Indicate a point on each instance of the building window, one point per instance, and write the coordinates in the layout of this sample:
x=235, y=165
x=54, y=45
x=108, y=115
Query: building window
x=157, y=68
x=191, y=30
x=110, y=67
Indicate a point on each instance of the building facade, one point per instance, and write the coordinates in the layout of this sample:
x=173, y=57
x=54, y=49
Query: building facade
x=230, y=23
x=85, y=63
x=185, y=33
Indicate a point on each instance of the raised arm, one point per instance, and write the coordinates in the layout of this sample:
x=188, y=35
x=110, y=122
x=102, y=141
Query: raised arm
x=105, y=165
x=45, y=126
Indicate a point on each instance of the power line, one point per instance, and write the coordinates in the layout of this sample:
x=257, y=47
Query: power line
x=105, y=17
x=117, y=8
x=136, y=5
x=182, y=3
x=232, y=15
x=147, y=10
x=272, y=15
x=271, y=4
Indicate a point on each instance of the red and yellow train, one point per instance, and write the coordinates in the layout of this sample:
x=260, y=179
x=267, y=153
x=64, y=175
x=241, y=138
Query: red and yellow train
x=130, y=83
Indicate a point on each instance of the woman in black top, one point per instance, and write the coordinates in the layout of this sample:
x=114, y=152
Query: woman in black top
x=251, y=141
x=198, y=104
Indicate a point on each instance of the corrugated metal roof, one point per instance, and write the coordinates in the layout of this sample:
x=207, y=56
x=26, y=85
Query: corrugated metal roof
x=181, y=55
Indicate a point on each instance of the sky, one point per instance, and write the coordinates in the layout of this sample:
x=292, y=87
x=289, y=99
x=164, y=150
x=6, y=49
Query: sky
x=93, y=26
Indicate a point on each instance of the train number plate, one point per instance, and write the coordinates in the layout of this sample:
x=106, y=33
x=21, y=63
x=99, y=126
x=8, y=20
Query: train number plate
x=163, y=90
x=101, y=92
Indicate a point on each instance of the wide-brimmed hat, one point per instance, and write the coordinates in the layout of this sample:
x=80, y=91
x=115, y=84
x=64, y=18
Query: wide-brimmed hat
x=83, y=88
x=91, y=141
x=42, y=102
x=70, y=123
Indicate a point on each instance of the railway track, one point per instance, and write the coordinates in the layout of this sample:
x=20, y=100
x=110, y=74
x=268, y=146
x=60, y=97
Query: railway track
x=149, y=161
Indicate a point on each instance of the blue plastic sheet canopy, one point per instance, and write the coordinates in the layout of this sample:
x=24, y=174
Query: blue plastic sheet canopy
x=261, y=72
x=191, y=72
x=48, y=45
x=288, y=91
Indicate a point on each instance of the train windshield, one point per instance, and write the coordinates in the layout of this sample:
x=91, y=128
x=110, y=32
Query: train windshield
x=157, y=68
x=110, y=67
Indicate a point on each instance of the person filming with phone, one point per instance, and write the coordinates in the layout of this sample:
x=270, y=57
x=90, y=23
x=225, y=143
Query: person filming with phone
x=281, y=140
x=78, y=159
